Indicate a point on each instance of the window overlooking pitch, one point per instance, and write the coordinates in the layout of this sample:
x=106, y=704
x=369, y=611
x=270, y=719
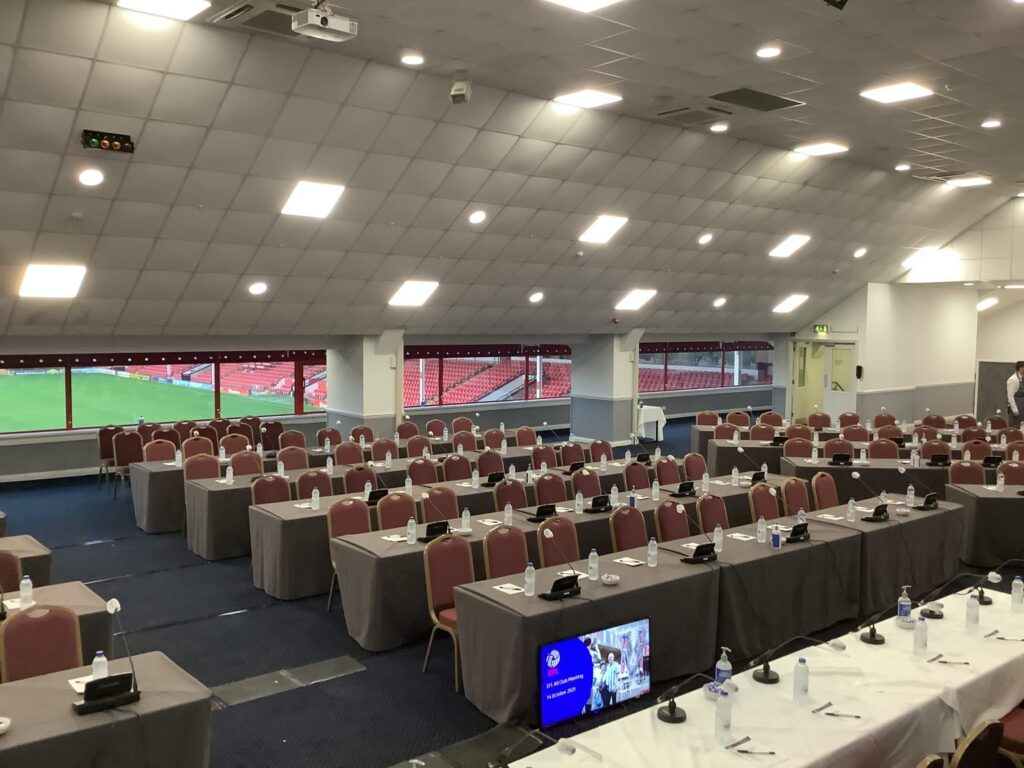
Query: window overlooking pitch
x=256, y=389
x=314, y=390
x=126, y=394
x=31, y=399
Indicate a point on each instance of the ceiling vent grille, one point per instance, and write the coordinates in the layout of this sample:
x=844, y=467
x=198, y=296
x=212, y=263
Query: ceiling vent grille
x=689, y=117
x=759, y=100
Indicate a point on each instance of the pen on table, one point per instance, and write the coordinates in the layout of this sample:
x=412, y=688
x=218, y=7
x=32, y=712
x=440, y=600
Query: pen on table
x=754, y=752
x=947, y=661
x=841, y=714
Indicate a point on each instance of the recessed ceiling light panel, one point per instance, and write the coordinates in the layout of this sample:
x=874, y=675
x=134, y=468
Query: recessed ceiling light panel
x=51, y=281
x=636, y=299
x=902, y=167
x=821, y=149
x=789, y=246
x=992, y=122
x=412, y=60
x=768, y=51
x=182, y=10
x=588, y=98
x=719, y=302
x=413, y=293
x=891, y=94
x=536, y=297
x=602, y=230
x=790, y=303
x=584, y=6
x=477, y=217
x=969, y=181
x=313, y=200
x=719, y=127
x=859, y=253
x=706, y=238
x=258, y=288
x=91, y=177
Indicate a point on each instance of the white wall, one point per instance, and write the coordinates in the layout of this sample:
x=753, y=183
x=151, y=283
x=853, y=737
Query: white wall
x=999, y=333
x=993, y=249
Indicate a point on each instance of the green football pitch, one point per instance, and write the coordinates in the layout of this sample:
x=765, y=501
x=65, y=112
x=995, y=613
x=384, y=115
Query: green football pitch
x=36, y=402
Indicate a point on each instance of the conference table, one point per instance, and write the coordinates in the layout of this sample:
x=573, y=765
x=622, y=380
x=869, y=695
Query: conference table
x=168, y=728
x=94, y=623
x=35, y=559
x=993, y=522
x=701, y=435
x=909, y=706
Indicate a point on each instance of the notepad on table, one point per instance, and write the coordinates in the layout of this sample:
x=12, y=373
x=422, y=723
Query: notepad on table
x=509, y=589
x=632, y=562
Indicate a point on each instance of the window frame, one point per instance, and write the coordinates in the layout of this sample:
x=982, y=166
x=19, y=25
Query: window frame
x=665, y=348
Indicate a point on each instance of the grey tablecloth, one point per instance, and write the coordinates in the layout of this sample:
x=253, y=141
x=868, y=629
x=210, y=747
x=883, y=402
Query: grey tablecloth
x=36, y=560
x=168, y=728
x=993, y=523
x=3, y=524
x=723, y=455
x=94, y=623
x=158, y=495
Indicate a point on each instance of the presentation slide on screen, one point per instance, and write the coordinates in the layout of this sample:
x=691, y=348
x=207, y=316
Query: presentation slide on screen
x=586, y=674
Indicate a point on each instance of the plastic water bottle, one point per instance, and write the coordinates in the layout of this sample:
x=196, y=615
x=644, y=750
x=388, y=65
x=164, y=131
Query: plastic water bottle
x=540, y=439
x=921, y=637
x=366, y=490
x=851, y=511
x=410, y=531
x=1016, y=455
x=504, y=447
x=387, y=460
x=407, y=485
x=444, y=434
x=657, y=453
x=222, y=454
x=915, y=439
x=723, y=716
x=655, y=491
x=815, y=437
x=776, y=537
x=814, y=454
x=578, y=503
x=512, y=472
x=25, y=593
x=719, y=537
x=177, y=457
x=911, y=496
x=862, y=455
x=967, y=455
x=475, y=478
x=764, y=468
x=954, y=440
x=327, y=445
x=229, y=476
x=988, y=426
x=280, y=468
x=362, y=442
x=801, y=680
x=903, y=607
x=99, y=666
x=631, y=498
x=592, y=565
x=628, y=456
x=705, y=483
x=1000, y=482
x=508, y=513
x=314, y=499
x=259, y=452
x=734, y=477
x=1017, y=595
x=915, y=459
x=604, y=462
x=613, y=496
x=652, y=553
x=762, y=530
x=396, y=437
x=465, y=521
x=973, y=614
x=543, y=466
x=530, y=580
x=723, y=667
x=1002, y=440
x=801, y=516
x=501, y=426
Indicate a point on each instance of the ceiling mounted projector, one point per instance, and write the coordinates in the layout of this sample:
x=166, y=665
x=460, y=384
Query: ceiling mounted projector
x=323, y=23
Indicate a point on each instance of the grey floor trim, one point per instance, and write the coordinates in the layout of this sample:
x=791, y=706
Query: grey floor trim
x=271, y=683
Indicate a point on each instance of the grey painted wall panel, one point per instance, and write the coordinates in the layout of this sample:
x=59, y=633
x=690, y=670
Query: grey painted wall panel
x=598, y=418
x=721, y=401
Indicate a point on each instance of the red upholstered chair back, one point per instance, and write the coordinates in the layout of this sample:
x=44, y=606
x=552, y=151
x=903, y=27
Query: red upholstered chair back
x=448, y=563
x=269, y=433
x=505, y=551
x=738, y=418
x=797, y=447
x=526, y=436
x=966, y=473
x=931, y=447
x=978, y=449
x=763, y=502
x=416, y=445
x=599, y=448
x=571, y=453
x=707, y=419
x=422, y=471
x=934, y=421
x=362, y=431
x=158, y=450
x=1012, y=434
x=997, y=422
x=794, y=496
x=357, y=478
x=292, y=438
x=489, y=462
x=510, y=492
x=636, y=476
x=980, y=748
x=435, y=428
x=147, y=430
x=771, y=418
x=856, y=433
x=245, y=431
x=798, y=430
x=543, y=454
x=1016, y=445
x=394, y=510
x=201, y=467
x=193, y=446
x=329, y=433
x=348, y=453
x=106, y=442
x=586, y=482
x=965, y=420
x=925, y=432
x=819, y=420
x=233, y=443
x=209, y=433
x=39, y=641
x=315, y=478
x=837, y=445
x=823, y=486
x=629, y=531
x=762, y=432
x=246, y=463
x=973, y=433
x=888, y=432
x=671, y=522
x=694, y=466
x=711, y=512
x=348, y=517
x=667, y=471
x=883, y=419
x=564, y=531
x=167, y=434
x=270, y=489
x=881, y=448
x=407, y=429
x=457, y=467
x=848, y=419
x=381, y=447
x=462, y=424
x=550, y=489
x=10, y=571
x=253, y=423
x=726, y=431
x=293, y=457
x=493, y=438
x=440, y=504
x=220, y=426
x=184, y=429
x=1012, y=472
x=464, y=438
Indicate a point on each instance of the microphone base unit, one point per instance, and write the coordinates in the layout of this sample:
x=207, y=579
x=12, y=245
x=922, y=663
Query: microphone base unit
x=562, y=594
x=932, y=614
x=983, y=599
x=671, y=713
x=872, y=637
x=766, y=675
x=108, y=702
x=699, y=557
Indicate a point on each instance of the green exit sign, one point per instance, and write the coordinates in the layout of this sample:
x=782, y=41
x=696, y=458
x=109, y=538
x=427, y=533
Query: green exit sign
x=821, y=328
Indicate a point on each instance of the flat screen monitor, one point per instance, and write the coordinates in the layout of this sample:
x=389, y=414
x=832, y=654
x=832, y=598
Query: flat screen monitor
x=586, y=674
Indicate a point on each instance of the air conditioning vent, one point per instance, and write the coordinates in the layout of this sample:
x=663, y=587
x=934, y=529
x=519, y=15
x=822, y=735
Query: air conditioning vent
x=231, y=14
x=751, y=99
x=689, y=117
x=275, y=22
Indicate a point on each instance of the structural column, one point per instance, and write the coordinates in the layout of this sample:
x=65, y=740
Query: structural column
x=604, y=386
x=364, y=382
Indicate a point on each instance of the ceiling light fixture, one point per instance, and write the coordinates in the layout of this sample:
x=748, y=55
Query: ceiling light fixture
x=891, y=94
x=706, y=238
x=822, y=148
x=789, y=246
x=992, y=122
x=412, y=59
x=859, y=253
x=969, y=181
x=768, y=51
x=585, y=6
x=987, y=303
x=1020, y=194
x=603, y=229
x=313, y=200
x=537, y=297
x=413, y=293
x=719, y=127
x=587, y=98
x=257, y=289
x=51, y=281
x=719, y=302
x=903, y=167
x=182, y=10
x=636, y=298
x=790, y=303
x=1014, y=286
x=968, y=285
x=477, y=217
x=90, y=177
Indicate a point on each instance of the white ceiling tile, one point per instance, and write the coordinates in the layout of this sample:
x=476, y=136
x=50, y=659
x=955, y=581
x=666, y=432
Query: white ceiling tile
x=151, y=183
x=328, y=76
x=127, y=41
x=133, y=219
x=356, y=128
x=61, y=26
x=175, y=255
x=426, y=97
x=305, y=119
x=121, y=90
x=27, y=171
x=379, y=172
x=169, y=143
x=226, y=258
x=188, y=100
x=243, y=228
x=249, y=110
x=205, y=51
x=403, y=135
x=271, y=65
x=209, y=189
x=447, y=143
x=228, y=152
x=48, y=78
x=282, y=159
x=380, y=87
x=34, y=126
x=19, y=210
x=187, y=222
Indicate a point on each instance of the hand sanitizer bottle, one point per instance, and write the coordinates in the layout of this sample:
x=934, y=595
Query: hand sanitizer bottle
x=903, y=607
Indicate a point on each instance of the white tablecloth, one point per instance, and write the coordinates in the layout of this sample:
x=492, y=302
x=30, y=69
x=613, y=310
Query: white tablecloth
x=652, y=416
x=909, y=707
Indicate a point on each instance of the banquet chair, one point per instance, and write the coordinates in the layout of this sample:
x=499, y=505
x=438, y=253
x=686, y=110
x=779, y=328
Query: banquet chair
x=526, y=436
x=220, y=426
x=253, y=423
x=797, y=448
x=381, y=447
x=925, y=432
x=184, y=429
x=128, y=448
x=599, y=448
x=1015, y=447
x=889, y=432
x=694, y=466
x=422, y=471
x=771, y=418
x=974, y=433
x=667, y=471
x=794, y=496
x=964, y=421
x=147, y=430
x=980, y=748
x=269, y=434
x=707, y=419
x=823, y=487
x=505, y=552
x=167, y=434
x=394, y=510
x=550, y=489
x=628, y=529
x=739, y=418
x=246, y=463
x=270, y=489
x=158, y=450
x=819, y=420
x=798, y=430
x=543, y=454
x=510, y=492
x=246, y=432
x=881, y=448
x=711, y=512
x=930, y=448
x=41, y=640
x=361, y=431
x=493, y=438
x=726, y=431
x=563, y=545
x=448, y=563
x=293, y=457
x=329, y=433
x=462, y=424
x=837, y=445
x=762, y=432
x=357, y=477
x=407, y=429
x=233, y=442
x=440, y=504
x=202, y=466
x=856, y=433
x=349, y=453
x=636, y=476
x=292, y=438
x=418, y=445
x=848, y=419
x=586, y=482
x=883, y=419
x=572, y=453
x=1012, y=472
x=345, y=518
x=105, y=439
x=314, y=478
x=435, y=428
x=932, y=761
x=997, y=422
x=979, y=449
x=196, y=445
x=456, y=467
x=934, y=420
x=763, y=502
x=671, y=521
x=489, y=462
x=1013, y=435
x=966, y=473
x=1013, y=731
x=465, y=439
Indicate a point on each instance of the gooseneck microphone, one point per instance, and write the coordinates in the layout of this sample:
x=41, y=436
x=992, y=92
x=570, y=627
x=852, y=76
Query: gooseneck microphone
x=672, y=712
x=767, y=676
x=550, y=536
x=502, y=758
x=872, y=636
x=428, y=501
x=934, y=611
x=931, y=499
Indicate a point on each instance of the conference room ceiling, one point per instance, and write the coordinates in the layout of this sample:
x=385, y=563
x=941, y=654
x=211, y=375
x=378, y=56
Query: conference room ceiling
x=227, y=122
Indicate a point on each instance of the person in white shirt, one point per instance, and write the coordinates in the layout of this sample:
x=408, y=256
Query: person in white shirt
x=1015, y=394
